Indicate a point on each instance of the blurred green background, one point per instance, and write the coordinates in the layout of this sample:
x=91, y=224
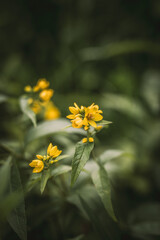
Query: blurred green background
x=101, y=51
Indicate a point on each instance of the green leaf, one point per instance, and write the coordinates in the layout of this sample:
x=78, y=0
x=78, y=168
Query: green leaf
x=4, y=176
x=126, y=105
x=118, y=48
x=102, y=184
x=60, y=170
x=17, y=218
x=97, y=226
x=34, y=179
x=81, y=156
x=104, y=122
x=62, y=157
x=27, y=110
x=109, y=155
x=50, y=128
x=146, y=228
x=44, y=179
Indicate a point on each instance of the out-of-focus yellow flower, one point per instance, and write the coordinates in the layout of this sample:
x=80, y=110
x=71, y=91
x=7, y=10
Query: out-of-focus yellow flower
x=46, y=94
x=30, y=101
x=42, y=83
x=38, y=165
x=28, y=88
x=51, y=111
x=85, y=116
x=53, y=151
x=36, y=106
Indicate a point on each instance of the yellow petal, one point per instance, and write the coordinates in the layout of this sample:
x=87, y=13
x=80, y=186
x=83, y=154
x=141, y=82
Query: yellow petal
x=57, y=153
x=33, y=163
x=92, y=123
x=98, y=117
x=39, y=157
x=53, y=150
x=49, y=148
x=71, y=116
x=75, y=104
x=73, y=110
x=85, y=121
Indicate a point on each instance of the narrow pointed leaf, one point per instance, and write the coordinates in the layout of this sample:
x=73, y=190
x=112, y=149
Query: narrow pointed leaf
x=17, y=218
x=44, y=179
x=102, y=184
x=81, y=156
x=27, y=110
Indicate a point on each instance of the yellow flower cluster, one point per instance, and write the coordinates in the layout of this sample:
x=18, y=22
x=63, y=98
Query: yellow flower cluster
x=40, y=96
x=85, y=116
x=45, y=161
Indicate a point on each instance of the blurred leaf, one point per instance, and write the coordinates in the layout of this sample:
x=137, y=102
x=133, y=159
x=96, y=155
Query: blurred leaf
x=102, y=184
x=50, y=128
x=109, y=155
x=128, y=106
x=146, y=228
x=119, y=48
x=17, y=218
x=3, y=98
x=34, y=179
x=60, y=170
x=151, y=90
x=44, y=178
x=145, y=213
x=94, y=219
x=81, y=156
x=27, y=110
x=5, y=176
x=79, y=237
x=62, y=157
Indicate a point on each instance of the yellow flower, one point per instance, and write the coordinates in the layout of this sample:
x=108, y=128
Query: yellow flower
x=28, y=88
x=38, y=165
x=30, y=101
x=51, y=111
x=46, y=94
x=53, y=151
x=92, y=115
x=36, y=106
x=42, y=83
x=85, y=116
